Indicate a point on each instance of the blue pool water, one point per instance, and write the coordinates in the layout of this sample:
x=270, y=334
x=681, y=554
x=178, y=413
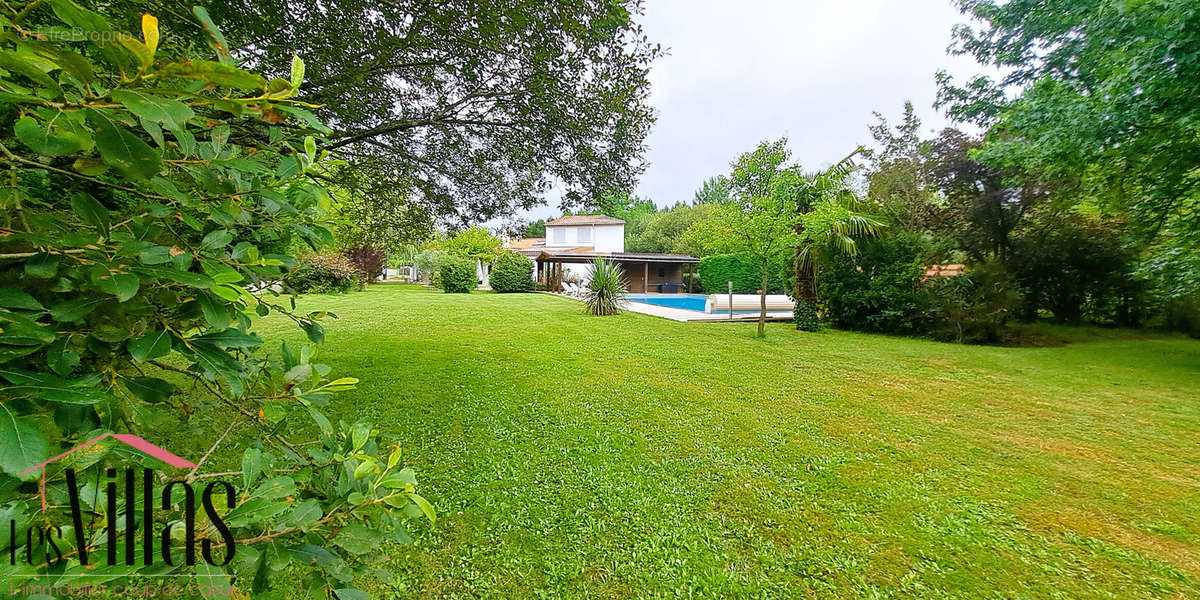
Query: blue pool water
x=685, y=301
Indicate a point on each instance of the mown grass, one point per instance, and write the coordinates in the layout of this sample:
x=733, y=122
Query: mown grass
x=634, y=457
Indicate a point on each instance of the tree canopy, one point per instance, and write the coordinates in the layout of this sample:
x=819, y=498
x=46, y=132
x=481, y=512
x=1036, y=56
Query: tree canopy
x=1103, y=103
x=466, y=110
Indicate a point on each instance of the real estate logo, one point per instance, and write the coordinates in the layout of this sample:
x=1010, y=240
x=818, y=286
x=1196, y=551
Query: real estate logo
x=43, y=543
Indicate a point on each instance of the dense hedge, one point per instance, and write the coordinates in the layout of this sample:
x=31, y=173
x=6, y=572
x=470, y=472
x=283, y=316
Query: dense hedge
x=745, y=274
x=512, y=273
x=878, y=290
x=456, y=275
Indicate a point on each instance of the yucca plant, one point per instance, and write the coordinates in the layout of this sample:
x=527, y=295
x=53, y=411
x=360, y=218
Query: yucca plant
x=606, y=288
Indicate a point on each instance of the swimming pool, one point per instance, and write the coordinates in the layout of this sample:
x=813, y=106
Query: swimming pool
x=685, y=301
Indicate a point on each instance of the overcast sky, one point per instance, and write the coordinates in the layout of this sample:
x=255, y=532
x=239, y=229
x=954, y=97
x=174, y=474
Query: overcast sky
x=740, y=71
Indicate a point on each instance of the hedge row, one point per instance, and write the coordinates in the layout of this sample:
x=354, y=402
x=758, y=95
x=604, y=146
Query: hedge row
x=715, y=271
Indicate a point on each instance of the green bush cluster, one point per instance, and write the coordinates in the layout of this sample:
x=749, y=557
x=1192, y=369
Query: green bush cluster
x=325, y=273
x=456, y=275
x=745, y=274
x=882, y=290
x=512, y=273
x=878, y=290
x=971, y=308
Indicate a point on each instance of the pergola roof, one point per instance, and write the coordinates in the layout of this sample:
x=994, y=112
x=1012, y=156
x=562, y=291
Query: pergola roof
x=582, y=257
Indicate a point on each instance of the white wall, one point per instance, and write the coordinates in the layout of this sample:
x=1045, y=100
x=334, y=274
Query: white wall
x=609, y=238
x=604, y=238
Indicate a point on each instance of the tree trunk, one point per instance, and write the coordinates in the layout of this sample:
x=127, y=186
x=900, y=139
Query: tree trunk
x=762, y=297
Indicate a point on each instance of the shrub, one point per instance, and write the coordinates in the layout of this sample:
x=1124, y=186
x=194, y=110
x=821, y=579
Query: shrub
x=745, y=274
x=1076, y=269
x=512, y=273
x=606, y=288
x=125, y=309
x=456, y=275
x=1183, y=315
x=972, y=308
x=879, y=290
x=324, y=273
x=805, y=315
x=367, y=261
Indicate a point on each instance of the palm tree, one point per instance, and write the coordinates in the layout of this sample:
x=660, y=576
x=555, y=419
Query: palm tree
x=832, y=222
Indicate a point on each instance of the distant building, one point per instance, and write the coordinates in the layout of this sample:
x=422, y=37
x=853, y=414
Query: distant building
x=575, y=240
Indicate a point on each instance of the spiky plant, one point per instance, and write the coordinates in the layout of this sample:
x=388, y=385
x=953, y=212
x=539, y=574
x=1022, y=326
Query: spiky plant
x=606, y=288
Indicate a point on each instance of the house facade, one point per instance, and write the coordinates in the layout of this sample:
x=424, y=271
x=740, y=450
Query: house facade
x=574, y=241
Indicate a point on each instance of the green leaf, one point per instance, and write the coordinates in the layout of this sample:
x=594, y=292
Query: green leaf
x=91, y=211
x=218, y=362
x=216, y=239
x=19, y=330
x=297, y=71
x=254, y=461
x=230, y=338
x=42, y=265
x=140, y=51
x=321, y=420
x=90, y=166
x=72, y=311
x=123, y=151
x=215, y=312
x=304, y=515
x=359, y=432
x=357, y=539
x=314, y=331
x=364, y=469
x=213, y=580
x=425, y=506
x=351, y=594
x=43, y=141
x=85, y=390
x=154, y=344
x=80, y=18
x=399, y=479
x=21, y=445
x=11, y=297
x=150, y=389
x=122, y=285
x=312, y=555
x=61, y=360
x=215, y=40
x=215, y=73
x=168, y=112
x=310, y=148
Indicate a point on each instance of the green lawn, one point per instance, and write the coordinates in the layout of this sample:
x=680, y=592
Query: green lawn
x=634, y=457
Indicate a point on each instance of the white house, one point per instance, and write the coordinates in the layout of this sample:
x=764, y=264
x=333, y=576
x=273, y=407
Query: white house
x=573, y=241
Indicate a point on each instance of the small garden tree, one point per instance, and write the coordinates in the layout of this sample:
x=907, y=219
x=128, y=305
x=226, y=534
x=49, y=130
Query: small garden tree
x=759, y=221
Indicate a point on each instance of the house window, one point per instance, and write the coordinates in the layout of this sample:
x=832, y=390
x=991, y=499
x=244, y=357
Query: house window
x=585, y=235
x=662, y=272
x=559, y=234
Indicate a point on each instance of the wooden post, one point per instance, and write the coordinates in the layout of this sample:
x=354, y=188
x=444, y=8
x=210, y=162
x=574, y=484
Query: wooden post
x=646, y=277
x=691, y=276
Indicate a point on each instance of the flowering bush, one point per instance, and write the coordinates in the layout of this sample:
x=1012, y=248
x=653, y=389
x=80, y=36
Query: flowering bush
x=325, y=273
